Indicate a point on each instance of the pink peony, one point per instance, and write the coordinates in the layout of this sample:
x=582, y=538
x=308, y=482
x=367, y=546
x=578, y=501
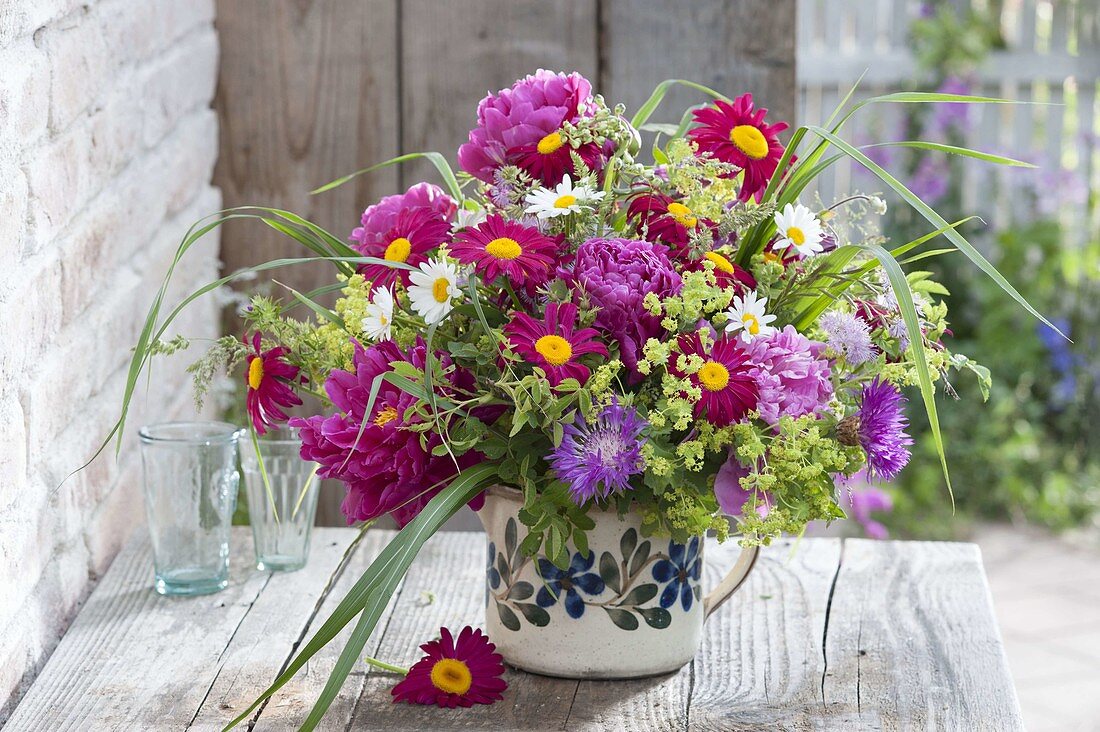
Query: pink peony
x=791, y=373
x=731, y=496
x=520, y=126
x=379, y=219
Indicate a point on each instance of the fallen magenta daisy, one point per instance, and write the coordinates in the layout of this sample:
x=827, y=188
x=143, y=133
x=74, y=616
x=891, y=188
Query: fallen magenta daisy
x=268, y=375
x=737, y=134
x=553, y=345
x=454, y=672
x=500, y=247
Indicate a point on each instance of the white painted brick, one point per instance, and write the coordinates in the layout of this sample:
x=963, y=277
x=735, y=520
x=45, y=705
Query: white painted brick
x=180, y=81
x=13, y=219
x=80, y=65
x=24, y=92
x=58, y=176
x=13, y=450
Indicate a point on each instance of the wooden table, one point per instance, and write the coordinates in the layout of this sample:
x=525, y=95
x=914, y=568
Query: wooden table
x=827, y=634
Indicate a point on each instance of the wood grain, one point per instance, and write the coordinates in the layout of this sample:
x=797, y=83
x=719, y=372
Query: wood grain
x=825, y=635
x=306, y=93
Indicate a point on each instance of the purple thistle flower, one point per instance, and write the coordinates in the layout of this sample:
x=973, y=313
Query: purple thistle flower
x=849, y=336
x=881, y=430
x=597, y=460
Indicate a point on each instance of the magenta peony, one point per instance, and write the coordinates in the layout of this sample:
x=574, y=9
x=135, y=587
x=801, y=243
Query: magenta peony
x=379, y=219
x=791, y=373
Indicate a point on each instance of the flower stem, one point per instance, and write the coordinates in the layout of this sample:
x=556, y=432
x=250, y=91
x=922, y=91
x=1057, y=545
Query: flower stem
x=385, y=666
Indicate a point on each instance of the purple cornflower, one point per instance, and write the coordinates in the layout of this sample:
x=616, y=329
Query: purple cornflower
x=881, y=430
x=849, y=336
x=597, y=460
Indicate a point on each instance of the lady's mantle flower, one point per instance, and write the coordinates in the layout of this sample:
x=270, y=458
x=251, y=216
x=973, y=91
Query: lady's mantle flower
x=729, y=391
x=553, y=345
x=615, y=275
x=268, y=376
x=737, y=134
x=848, y=336
x=791, y=373
x=454, y=673
x=879, y=428
x=683, y=567
x=799, y=230
x=597, y=460
x=378, y=322
x=726, y=273
x=500, y=247
x=746, y=314
x=433, y=290
x=565, y=198
x=557, y=582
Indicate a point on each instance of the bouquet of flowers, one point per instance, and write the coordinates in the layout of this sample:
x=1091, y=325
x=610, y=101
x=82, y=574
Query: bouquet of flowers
x=686, y=339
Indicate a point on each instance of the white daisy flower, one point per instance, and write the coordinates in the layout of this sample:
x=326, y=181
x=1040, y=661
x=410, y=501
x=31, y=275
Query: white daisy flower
x=564, y=198
x=746, y=314
x=466, y=218
x=433, y=290
x=799, y=228
x=379, y=319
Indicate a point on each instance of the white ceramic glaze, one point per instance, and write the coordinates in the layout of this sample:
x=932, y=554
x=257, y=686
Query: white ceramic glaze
x=632, y=607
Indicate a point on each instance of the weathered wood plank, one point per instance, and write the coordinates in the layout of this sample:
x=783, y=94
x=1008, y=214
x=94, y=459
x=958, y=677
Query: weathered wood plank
x=452, y=54
x=306, y=93
x=746, y=46
x=133, y=659
x=912, y=642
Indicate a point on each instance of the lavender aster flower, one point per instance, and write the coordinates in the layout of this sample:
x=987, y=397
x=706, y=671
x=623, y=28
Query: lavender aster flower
x=616, y=275
x=849, y=336
x=791, y=373
x=597, y=460
x=880, y=429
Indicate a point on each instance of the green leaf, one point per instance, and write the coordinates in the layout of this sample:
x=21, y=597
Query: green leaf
x=640, y=595
x=627, y=542
x=639, y=558
x=609, y=571
x=535, y=615
x=521, y=591
x=434, y=158
x=510, y=539
x=622, y=618
x=656, y=617
x=507, y=617
x=650, y=106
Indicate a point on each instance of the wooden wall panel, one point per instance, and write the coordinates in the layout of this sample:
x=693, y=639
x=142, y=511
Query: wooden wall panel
x=307, y=92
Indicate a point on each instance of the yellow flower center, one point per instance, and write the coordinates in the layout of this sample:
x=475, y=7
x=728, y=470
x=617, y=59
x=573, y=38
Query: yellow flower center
x=771, y=257
x=504, y=248
x=385, y=416
x=255, y=373
x=398, y=250
x=796, y=235
x=682, y=214
x=451, y=676
x=555, y=349
x=752, y=324
x=720, y=263
x=565, y=201
x=750, y=141
x=550, y=144
x=713, y=376
x=441, y=289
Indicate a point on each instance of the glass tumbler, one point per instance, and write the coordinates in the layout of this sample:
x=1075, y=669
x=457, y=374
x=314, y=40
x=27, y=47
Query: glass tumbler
x=282, y=499
x=191, y=482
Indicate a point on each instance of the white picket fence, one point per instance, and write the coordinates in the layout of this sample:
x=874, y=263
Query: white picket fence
x=1053, y=56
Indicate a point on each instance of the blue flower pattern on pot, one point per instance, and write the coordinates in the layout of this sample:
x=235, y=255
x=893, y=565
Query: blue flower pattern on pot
x=566, y=583
x=681, y=570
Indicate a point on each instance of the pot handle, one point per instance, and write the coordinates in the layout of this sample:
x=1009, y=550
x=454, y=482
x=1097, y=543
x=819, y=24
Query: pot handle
x=732, y=581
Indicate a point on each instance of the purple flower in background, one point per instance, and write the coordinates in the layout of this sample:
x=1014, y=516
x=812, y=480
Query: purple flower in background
x=849, y=336
x=930, y=180
x=860, y=499
x=379, y=219
x=597, y=460
x=616, y=275
x=791, y=373
x=950, y=117
x=881, y=430
x=1063, y=361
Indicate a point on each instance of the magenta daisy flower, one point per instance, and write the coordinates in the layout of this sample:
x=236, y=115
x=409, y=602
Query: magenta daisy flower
x=414, y=234
x=725, y=380
x=726, y=273
x=268, y=376
x=597, y=460
x=663, y=220
x=881, y=430
x=454, y=673
x=378, y=219
x=737, y=134
x=553, y=345
x=522, y=126
x=497, y=246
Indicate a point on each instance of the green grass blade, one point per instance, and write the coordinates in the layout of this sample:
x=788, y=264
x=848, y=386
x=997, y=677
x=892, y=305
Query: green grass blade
x=320, y=310
x=434, y=158
x=660, y=91
x=955, y=150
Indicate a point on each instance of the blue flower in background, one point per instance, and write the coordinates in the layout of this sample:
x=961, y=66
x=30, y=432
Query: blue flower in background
x=1063, y=361
x=493, y=574
x=683, y=566
x=559, y=583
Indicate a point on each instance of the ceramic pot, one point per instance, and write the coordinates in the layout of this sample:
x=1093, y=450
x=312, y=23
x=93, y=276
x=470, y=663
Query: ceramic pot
x=634, y=606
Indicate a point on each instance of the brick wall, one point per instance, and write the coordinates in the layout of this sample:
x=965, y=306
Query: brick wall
x=107, y=144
